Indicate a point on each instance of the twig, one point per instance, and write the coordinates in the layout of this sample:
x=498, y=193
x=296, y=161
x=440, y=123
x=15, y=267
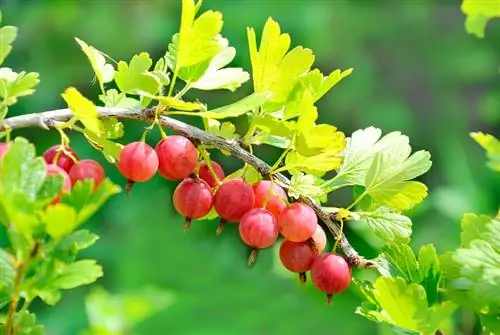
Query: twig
x=50, y=118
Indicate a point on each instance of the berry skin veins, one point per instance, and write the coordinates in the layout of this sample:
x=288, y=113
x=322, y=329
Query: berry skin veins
x=192, y=199
x=138, y=162
x=297, y=222
x=177, y=157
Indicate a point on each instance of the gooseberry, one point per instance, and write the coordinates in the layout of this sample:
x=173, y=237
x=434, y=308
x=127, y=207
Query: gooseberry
x=207, y=176
x=270, y=194
x=138, y=162
x=65, y=158
x=331, y=274
x=192, y=199
x=87, y=169
x=3, y=149
x=318, y=240
x=297, y=257
x=233, y=199
x=297, y=222
x=177, y=157
x=258, y=229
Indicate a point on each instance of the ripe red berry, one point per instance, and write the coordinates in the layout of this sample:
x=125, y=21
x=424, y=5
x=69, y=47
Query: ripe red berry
x=87, y=169
x=54, y=170
x=177, y=157
x=259, y=230
x=3, y=149
x=297, y=257
x=192, y=199
x=318, y=240
x=331, y=274
x=138, y=162
x=297, y=222
x=206, y=175
x=272, y=195
x=233, y=199
x=65, y=159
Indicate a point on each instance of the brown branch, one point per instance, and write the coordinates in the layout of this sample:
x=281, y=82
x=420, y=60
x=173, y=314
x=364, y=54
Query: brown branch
x=49, y=119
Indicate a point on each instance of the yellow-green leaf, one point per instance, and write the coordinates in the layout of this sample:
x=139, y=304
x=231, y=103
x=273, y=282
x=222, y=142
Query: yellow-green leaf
x=83, y=109
x=237, y=108
x=492, y=146
x=104, y=72
x=318, y=139
x=479, y=12
x=60, y=220
x=133, y=78
x=317, y=165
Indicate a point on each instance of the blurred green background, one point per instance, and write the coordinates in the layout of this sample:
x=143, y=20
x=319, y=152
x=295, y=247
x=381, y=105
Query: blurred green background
x=415, y=70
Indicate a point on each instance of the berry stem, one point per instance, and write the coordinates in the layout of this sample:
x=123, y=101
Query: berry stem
x=129, y=186
x=187, y=224
x=313, y=245
x=252, y=257
x=337, y=240
x=220, y=227
x=329, y=299
x=208, y=161
x=302, y=277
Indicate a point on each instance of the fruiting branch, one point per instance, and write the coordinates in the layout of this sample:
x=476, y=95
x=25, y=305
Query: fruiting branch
x=50, y=119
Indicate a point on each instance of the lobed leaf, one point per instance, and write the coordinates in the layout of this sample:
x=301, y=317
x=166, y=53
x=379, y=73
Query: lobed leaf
x=134, y=78
x=390, y=226
x=83, y=109
x=237, y=108
x=478, y=14
x=492, y=146
x=104, y=71
x=112, y=98
x=76, y=274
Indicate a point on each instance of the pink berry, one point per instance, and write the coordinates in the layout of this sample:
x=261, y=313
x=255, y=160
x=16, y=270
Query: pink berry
x=259, y=230
x=233, y=199
x=64, y=161
x=87, y=169
x=54, y=170
x=3, y=149
x=297, y=222
x=331, y=274
x=177, y=157
x=275, y=198
x=138, y=162
x=192, y=199
x=319, y=239
x=297, y=257
x=206, y=175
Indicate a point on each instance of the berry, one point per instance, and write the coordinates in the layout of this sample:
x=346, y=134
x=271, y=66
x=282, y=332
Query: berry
x=177, y=157
x=318, y=240
x=273, y=194
x=64, y=160
x=297, y=222
x=259, y=230
x=138, y=162
x=87, y=169
x=233, y=199
x=192, y=199
x=331, y=274
x=297, y=257
x=53, y=169
x=3, y=149
x=206, y=175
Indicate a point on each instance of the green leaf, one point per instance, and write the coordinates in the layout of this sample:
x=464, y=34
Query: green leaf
x=274, y=126
x=318, y=85
x=25, y=324
x=112, y=128
x=197, y=41
x=83, y=109
x=50, y=188
x=317, y=165
x=21, y=177
x=14, y=85
x=121, y=312
x=390, y=226
x=76, y=274
x=393, y=301
x=104, y=72
x=492, y=147
x=86, y=201
x=179, y=104
x=430, y=273
x=8, y=35
x=473, y=270
x=274, y=68
x=133, y=78
x=240, y=107
x=111, y=150
x=478, y=14
x=225, y=130
x=305, y=185
x=8, y=273
x=491, y=324
x=216, y=76
x=60, y=220
x=113, y=98
x=78, y=240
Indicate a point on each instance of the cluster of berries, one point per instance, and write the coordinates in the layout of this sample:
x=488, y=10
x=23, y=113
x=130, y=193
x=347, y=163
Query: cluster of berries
x=64, y=161
x=260, y=209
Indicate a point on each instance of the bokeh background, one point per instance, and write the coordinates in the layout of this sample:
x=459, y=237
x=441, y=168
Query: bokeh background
x=415, y=70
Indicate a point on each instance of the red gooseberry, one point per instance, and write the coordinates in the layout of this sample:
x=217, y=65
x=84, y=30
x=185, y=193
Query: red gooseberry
x=270, y=195
x=177, y=157
x=205, y=174
x=3, y=149
x=192, y=199
x=297, y=222
x=259, y=230
x=138, y=162
x=233, y=199
x=331, y=274
x=87, y=169
x=65, y=159
x=53, y=169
